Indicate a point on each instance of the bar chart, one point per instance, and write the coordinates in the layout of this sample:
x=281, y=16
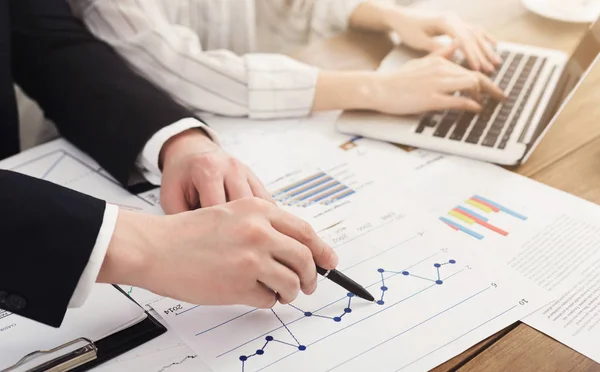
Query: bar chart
x=477, y=211
x=320, y=188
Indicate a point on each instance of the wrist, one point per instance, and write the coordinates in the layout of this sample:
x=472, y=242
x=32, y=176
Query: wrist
x=346, y=90
x=129, y=255
x=195, y=135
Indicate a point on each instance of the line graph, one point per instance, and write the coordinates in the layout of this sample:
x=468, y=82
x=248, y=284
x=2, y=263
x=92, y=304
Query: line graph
x=425, y=282
x=436, y=279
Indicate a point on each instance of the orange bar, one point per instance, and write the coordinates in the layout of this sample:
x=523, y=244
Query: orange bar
x=495, y=209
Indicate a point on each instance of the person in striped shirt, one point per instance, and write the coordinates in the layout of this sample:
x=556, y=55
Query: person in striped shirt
x=226, y=57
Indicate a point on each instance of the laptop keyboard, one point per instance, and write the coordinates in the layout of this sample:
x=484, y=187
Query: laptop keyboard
x=493, y=126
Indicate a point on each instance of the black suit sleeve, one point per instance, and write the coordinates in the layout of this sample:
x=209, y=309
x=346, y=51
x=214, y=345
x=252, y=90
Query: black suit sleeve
x=48, y=234
x=88, y=90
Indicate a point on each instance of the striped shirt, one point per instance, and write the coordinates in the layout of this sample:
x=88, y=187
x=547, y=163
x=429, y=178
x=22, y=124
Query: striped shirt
x=221, y=56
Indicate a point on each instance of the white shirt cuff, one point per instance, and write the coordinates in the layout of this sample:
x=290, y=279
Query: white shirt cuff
x=148, y=159
x=279, y=86
x=90, y=273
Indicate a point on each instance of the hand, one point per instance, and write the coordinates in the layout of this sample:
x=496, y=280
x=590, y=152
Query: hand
x=246, y=252
x=198, y=172
x=418, y=30
x=428, y=84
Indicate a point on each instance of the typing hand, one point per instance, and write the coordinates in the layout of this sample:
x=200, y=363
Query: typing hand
x=418, y=30
x=198, y=172
x=245, y=252
x=428, y=84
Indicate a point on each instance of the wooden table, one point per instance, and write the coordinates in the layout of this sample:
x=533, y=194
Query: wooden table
x=567, y=159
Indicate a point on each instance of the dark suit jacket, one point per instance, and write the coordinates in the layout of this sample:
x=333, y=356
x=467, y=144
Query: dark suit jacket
x=99, y=104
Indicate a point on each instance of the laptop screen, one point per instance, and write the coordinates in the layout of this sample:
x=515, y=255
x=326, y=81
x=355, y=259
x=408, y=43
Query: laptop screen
x=578, y=64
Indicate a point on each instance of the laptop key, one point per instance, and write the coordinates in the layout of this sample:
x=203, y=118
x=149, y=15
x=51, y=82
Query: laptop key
x=462, y=126
x=446, y=123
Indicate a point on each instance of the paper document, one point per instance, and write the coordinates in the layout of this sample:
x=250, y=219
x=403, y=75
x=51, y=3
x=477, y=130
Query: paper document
x=549, y=237
x=62, y=163
x=165, y=353
x=105, y=312
x=433, y=301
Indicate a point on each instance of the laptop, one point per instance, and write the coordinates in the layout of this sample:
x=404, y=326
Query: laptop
x=538, y=82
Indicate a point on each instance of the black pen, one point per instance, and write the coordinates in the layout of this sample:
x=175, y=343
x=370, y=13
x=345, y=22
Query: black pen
x=346, y=283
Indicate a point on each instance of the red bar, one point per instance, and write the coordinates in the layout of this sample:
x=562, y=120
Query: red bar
x=486, y=204
x=483, y=223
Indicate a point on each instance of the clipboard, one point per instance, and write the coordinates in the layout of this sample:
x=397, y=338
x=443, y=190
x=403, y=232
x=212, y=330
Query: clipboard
x=82, y=354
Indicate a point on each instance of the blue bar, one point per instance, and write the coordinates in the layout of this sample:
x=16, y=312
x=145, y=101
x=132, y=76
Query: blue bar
x=302, y=183
x=503, y=209
x=312, y=187
x=462, y=228
x=472, y=213
x=328, y=195
x=336, y=183
x=344, y=196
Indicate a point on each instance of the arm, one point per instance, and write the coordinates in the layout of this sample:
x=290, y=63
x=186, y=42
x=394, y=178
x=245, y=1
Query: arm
x=259, y=86
x=46, y=260
x=86, y=88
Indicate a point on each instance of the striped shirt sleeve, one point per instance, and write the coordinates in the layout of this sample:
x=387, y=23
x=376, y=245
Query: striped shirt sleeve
x=258, y=86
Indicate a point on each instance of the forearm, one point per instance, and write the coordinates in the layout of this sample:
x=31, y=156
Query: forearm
x=345, y=90
x=372, y=16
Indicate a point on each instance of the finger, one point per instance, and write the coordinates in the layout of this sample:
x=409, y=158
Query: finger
x=211, y=191
x=299, y=259
x=237, y=187
x=489, y=37
x=465, y=83
x=488, y=86
x=281, y=280
x=445, y=102
x=260, y=296
x=258, y=189
x=445, y=51
x=296, y=228
x=487, y=51
x=173, y=198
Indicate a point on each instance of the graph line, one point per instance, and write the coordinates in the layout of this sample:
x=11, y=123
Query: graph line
x=459, y=337
x=65, y=154
x=347, y=309
x=177, y=363
x=411, y=328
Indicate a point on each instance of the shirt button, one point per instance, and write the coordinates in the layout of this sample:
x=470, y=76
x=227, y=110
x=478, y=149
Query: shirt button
x=15, y=303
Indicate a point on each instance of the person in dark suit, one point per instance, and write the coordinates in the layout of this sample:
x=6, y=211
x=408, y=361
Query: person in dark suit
x=238, y=249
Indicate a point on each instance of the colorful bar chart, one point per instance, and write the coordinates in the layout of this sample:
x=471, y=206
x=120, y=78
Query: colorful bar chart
x=317, y=188
x=477, y=211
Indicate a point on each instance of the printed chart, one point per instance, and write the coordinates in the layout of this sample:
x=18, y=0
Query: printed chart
x=61, y=163
x=423, y=283
x=465, y=214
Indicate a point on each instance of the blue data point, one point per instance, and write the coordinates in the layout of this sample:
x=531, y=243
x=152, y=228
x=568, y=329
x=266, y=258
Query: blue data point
x=437, y=265
x=405, y=273
x=337, y=319
x=308, y=313
x=301, y=347
x=350, y=294
x=384, y=288
x=243, y=358
x=260, y=352
x=439, y=282
x=452, y=261
x=269, y=338
x=347, y=310
x=380, y=270
x=380, y=302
